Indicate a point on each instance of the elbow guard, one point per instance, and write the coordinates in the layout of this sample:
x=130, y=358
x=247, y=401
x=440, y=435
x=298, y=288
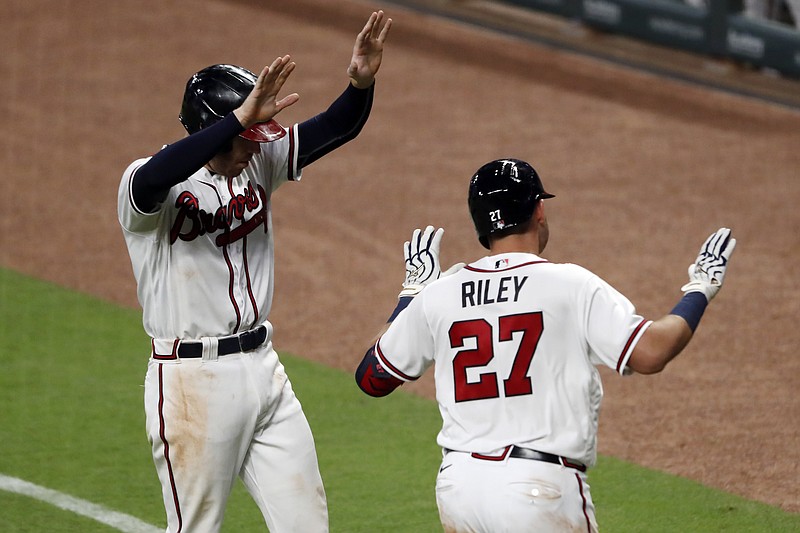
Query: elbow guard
x=372, y=378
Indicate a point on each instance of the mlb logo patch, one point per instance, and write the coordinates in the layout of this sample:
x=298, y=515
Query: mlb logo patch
x=501, y=263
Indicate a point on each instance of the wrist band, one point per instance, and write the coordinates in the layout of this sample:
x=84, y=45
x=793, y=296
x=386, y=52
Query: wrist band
x=691, y=308
x=402, y=303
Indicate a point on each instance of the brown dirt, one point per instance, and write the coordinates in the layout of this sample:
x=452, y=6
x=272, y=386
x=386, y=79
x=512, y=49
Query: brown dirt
x=644, y=168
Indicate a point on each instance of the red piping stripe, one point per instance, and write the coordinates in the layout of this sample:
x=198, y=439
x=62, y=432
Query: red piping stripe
x=291, y=174
x=475, y=269
x=249, y=284
x=230, y=288
x=165, y=357
x=162, y=435
x=130, y=191
x=390, y=366
x=583, y=497
x=500, y=457
x=628, y=344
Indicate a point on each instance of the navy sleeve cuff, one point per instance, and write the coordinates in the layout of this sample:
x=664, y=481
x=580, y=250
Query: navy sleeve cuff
x=691, y=308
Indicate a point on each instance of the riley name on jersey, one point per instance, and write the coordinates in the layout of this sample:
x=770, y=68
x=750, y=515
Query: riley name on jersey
x=483, y=291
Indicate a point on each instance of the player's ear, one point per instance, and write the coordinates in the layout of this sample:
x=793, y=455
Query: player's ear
x=538, y=213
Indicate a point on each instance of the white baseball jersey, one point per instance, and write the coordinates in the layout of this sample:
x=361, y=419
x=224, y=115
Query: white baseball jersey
x=204, y=262
x=515, y=340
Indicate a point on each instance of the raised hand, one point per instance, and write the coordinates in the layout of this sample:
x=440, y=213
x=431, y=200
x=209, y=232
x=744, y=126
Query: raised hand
x=262, y=103
x=422, y=260
x=707, y=273
x=368, y=50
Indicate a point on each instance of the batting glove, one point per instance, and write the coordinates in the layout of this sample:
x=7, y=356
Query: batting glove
x=707, y=273
x=422, y=260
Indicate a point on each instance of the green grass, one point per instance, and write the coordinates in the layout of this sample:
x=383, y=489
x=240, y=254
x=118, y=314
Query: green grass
x=71, y=419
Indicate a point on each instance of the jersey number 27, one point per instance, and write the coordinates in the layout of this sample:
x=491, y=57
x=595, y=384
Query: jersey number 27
x=517, y=383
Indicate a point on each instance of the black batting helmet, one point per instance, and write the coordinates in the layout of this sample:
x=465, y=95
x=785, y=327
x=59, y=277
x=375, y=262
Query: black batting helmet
x=503, y=194
x=214, y=92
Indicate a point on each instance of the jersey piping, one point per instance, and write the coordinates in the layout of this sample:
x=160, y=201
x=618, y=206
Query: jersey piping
x=487, y=271
x=201, y=248
x=632, y=340
x=390, y=366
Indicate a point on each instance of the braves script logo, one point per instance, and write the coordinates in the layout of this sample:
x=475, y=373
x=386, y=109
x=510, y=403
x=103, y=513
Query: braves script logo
x=192, y=221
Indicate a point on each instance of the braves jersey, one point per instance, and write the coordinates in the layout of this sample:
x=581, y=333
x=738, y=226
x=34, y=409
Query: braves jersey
x=204, y=261
x=515, y=340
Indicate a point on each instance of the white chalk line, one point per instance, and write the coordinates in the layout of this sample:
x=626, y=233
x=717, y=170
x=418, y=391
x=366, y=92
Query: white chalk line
x=119, y=521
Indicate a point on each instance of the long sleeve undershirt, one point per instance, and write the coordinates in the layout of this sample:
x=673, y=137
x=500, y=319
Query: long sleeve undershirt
x=317, y=136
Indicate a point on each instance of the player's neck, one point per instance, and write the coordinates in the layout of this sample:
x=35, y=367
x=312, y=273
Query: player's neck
x=527, y=243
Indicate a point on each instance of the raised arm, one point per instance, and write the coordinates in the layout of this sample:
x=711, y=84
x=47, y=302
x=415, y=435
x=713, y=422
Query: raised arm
x=669, y=335
x=176, y=162
x=345, y=118
x=422, y=268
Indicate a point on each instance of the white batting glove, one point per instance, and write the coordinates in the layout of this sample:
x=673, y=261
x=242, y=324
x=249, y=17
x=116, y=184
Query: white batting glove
x=422, y=260
x=707, y=273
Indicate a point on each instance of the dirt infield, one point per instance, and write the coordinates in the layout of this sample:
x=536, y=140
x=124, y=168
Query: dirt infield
x=644, y=168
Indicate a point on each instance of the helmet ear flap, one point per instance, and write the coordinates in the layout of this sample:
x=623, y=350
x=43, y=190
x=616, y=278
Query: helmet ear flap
x=503, y=194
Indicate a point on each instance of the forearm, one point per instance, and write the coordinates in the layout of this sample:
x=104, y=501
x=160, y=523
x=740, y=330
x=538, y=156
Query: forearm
x=337, y=125
x=370, y=375
x=669, y=335
x=660, y=344
x=176, y=162
x=422, y=267
x=372, y=378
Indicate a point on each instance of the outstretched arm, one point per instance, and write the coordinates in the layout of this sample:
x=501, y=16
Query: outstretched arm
x=345, y=118
x=176, y=162
x=669, y=335
x=422, y=268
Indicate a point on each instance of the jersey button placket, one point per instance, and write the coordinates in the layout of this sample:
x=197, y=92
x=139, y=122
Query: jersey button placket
x=236, y=251
x=231, y=249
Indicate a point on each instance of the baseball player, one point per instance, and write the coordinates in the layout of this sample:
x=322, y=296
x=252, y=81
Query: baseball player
x=196, y=220
x=516, y=340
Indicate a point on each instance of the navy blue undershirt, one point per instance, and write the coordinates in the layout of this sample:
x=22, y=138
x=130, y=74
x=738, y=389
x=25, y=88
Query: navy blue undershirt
x=317, y=136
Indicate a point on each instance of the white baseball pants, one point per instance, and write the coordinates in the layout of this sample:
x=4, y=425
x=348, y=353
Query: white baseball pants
x=512, y=496
x=211, y=420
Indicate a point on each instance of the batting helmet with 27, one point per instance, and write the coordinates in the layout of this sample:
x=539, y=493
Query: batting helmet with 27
x=503, y=194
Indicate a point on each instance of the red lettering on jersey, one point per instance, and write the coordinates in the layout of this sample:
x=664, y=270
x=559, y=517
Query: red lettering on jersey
x=518, y=383
x=192, y=221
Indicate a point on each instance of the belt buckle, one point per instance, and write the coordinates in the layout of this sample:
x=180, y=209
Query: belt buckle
x=247, y=340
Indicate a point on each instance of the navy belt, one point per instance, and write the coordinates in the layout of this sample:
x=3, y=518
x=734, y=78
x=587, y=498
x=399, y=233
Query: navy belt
x=243, y=342
x=518, y=452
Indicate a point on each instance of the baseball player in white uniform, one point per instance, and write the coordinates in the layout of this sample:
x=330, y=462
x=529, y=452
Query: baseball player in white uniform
x=196, y=221
x=516, y=340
